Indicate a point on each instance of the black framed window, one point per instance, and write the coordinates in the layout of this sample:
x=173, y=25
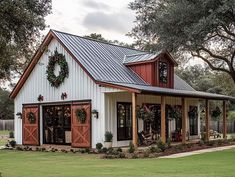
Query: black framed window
x=163, y=72
x=124, y=123
x=193, y=120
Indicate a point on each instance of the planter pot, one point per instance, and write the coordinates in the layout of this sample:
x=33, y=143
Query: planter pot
x=108, y=144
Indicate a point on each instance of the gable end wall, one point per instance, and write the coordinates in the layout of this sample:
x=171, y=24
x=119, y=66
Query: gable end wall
x=78, y=86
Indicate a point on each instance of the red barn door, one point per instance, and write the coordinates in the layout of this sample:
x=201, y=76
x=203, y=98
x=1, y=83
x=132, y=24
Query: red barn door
x=81, y=131
x=30, y=119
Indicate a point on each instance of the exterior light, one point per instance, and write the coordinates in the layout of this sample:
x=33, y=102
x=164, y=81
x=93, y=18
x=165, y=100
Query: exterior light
x=19, y=114
x=95, y=113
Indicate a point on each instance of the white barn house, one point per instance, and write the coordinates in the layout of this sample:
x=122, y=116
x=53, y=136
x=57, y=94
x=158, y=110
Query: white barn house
x=75, y=89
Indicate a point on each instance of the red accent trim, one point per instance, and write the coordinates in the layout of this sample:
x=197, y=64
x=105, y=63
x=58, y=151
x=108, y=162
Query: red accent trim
x=104, y=84
x=31, y=65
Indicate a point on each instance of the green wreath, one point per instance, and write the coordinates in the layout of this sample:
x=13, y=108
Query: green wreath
x=59, y=59
x=31, y=117
x=81, y=115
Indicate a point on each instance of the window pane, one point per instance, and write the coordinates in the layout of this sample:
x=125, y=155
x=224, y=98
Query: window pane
x=124, y=129
x=163, y=72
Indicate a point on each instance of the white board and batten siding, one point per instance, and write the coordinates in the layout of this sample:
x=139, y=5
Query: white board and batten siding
x=78, y=86
x=111, y=100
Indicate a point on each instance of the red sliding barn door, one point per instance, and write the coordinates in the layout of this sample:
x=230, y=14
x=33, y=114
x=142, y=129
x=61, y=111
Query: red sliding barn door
x=81, y=131
x=30, y=119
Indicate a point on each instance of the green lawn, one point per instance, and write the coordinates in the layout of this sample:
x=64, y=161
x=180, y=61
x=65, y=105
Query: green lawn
x=48, y=164
x=4, y=132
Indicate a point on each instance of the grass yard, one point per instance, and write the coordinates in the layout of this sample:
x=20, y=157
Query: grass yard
x=49, y=164
x=4, y=132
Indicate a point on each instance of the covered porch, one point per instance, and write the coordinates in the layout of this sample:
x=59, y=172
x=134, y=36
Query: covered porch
x=185, y=132
x=165, y=127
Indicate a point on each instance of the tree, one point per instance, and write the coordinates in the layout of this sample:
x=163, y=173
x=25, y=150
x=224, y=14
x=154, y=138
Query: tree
x=21, y=22
x=99, y=37
x=6, y=105
x=203, y=28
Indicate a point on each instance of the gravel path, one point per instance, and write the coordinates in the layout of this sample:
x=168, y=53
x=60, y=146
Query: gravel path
x=184, y=154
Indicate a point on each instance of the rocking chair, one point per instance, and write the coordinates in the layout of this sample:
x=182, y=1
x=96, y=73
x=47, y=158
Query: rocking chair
x=145, y=139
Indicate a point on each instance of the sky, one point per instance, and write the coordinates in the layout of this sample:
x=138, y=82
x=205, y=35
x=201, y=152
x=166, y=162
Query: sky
x=111, y=18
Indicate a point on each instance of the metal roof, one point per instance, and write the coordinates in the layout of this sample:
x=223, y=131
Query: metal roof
x=174, y=92
x=139, y=57
x=104, y=62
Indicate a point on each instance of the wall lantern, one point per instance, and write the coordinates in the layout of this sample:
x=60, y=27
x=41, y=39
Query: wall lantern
x=40, y=97
x=19, y=114
x=64, y=95
x=95, y=114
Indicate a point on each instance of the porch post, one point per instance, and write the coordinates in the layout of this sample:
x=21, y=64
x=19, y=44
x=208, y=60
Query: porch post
x=163, y=119
x=134, y=120
x=207, y=120
x=184, y=117
x=224, y=120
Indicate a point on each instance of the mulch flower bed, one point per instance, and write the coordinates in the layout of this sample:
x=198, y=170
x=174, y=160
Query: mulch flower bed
x=157, y=150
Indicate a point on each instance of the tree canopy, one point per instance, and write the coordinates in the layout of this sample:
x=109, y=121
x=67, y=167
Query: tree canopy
x=6, y=105
x=21, y=22
x=203, y=28
x=99, y=37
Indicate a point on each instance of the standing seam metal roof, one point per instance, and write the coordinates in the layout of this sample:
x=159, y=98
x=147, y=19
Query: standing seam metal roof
x=105, y=63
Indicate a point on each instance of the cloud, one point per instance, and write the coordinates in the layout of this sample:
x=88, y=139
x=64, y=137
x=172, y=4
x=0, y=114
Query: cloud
x=120, y=22
x=96, y=5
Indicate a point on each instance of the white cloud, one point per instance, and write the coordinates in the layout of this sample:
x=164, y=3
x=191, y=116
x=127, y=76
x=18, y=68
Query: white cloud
x=110, y=18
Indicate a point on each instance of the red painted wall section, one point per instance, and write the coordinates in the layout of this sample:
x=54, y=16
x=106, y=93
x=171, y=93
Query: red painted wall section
x=149, y=72
x=145, y=71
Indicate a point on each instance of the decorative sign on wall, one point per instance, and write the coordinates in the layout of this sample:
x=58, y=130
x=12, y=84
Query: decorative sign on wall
x=57, y=58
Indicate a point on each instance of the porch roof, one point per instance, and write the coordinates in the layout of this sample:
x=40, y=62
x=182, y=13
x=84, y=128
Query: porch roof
x=146, y=89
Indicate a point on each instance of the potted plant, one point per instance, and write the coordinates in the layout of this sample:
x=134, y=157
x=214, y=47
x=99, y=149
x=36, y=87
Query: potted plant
x=108, y=139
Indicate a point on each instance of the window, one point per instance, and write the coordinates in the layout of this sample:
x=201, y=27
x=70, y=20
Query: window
x=163, y=72
x=124, y=123
x=193, y=120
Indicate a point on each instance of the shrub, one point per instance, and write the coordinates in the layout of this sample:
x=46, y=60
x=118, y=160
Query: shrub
x=108, y=136
x=87, y=150
x=203, y=136
x=154, y=149
x=201, y=143
x=12, y=143
x=18, y=148
x=99, y=146
x=119, y=149
x=82, y=151
x=131, y=148
x=110, y=150
x=162, y=146
x=210, y=143
x=11, y=134
x=179, y=147
x=104, y=150
x=168, y=142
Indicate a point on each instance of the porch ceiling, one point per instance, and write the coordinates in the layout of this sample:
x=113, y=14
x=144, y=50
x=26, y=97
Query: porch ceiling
x=173, y=92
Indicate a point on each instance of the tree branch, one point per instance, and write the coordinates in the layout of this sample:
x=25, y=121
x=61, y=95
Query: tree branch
x=210, y=64
x=227, y=30
x=214, y=55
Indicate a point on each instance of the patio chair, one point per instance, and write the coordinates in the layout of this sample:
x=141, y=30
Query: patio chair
x=145, y=139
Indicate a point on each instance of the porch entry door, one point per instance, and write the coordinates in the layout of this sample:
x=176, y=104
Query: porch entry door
x=30, y=120
x=81, y=131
